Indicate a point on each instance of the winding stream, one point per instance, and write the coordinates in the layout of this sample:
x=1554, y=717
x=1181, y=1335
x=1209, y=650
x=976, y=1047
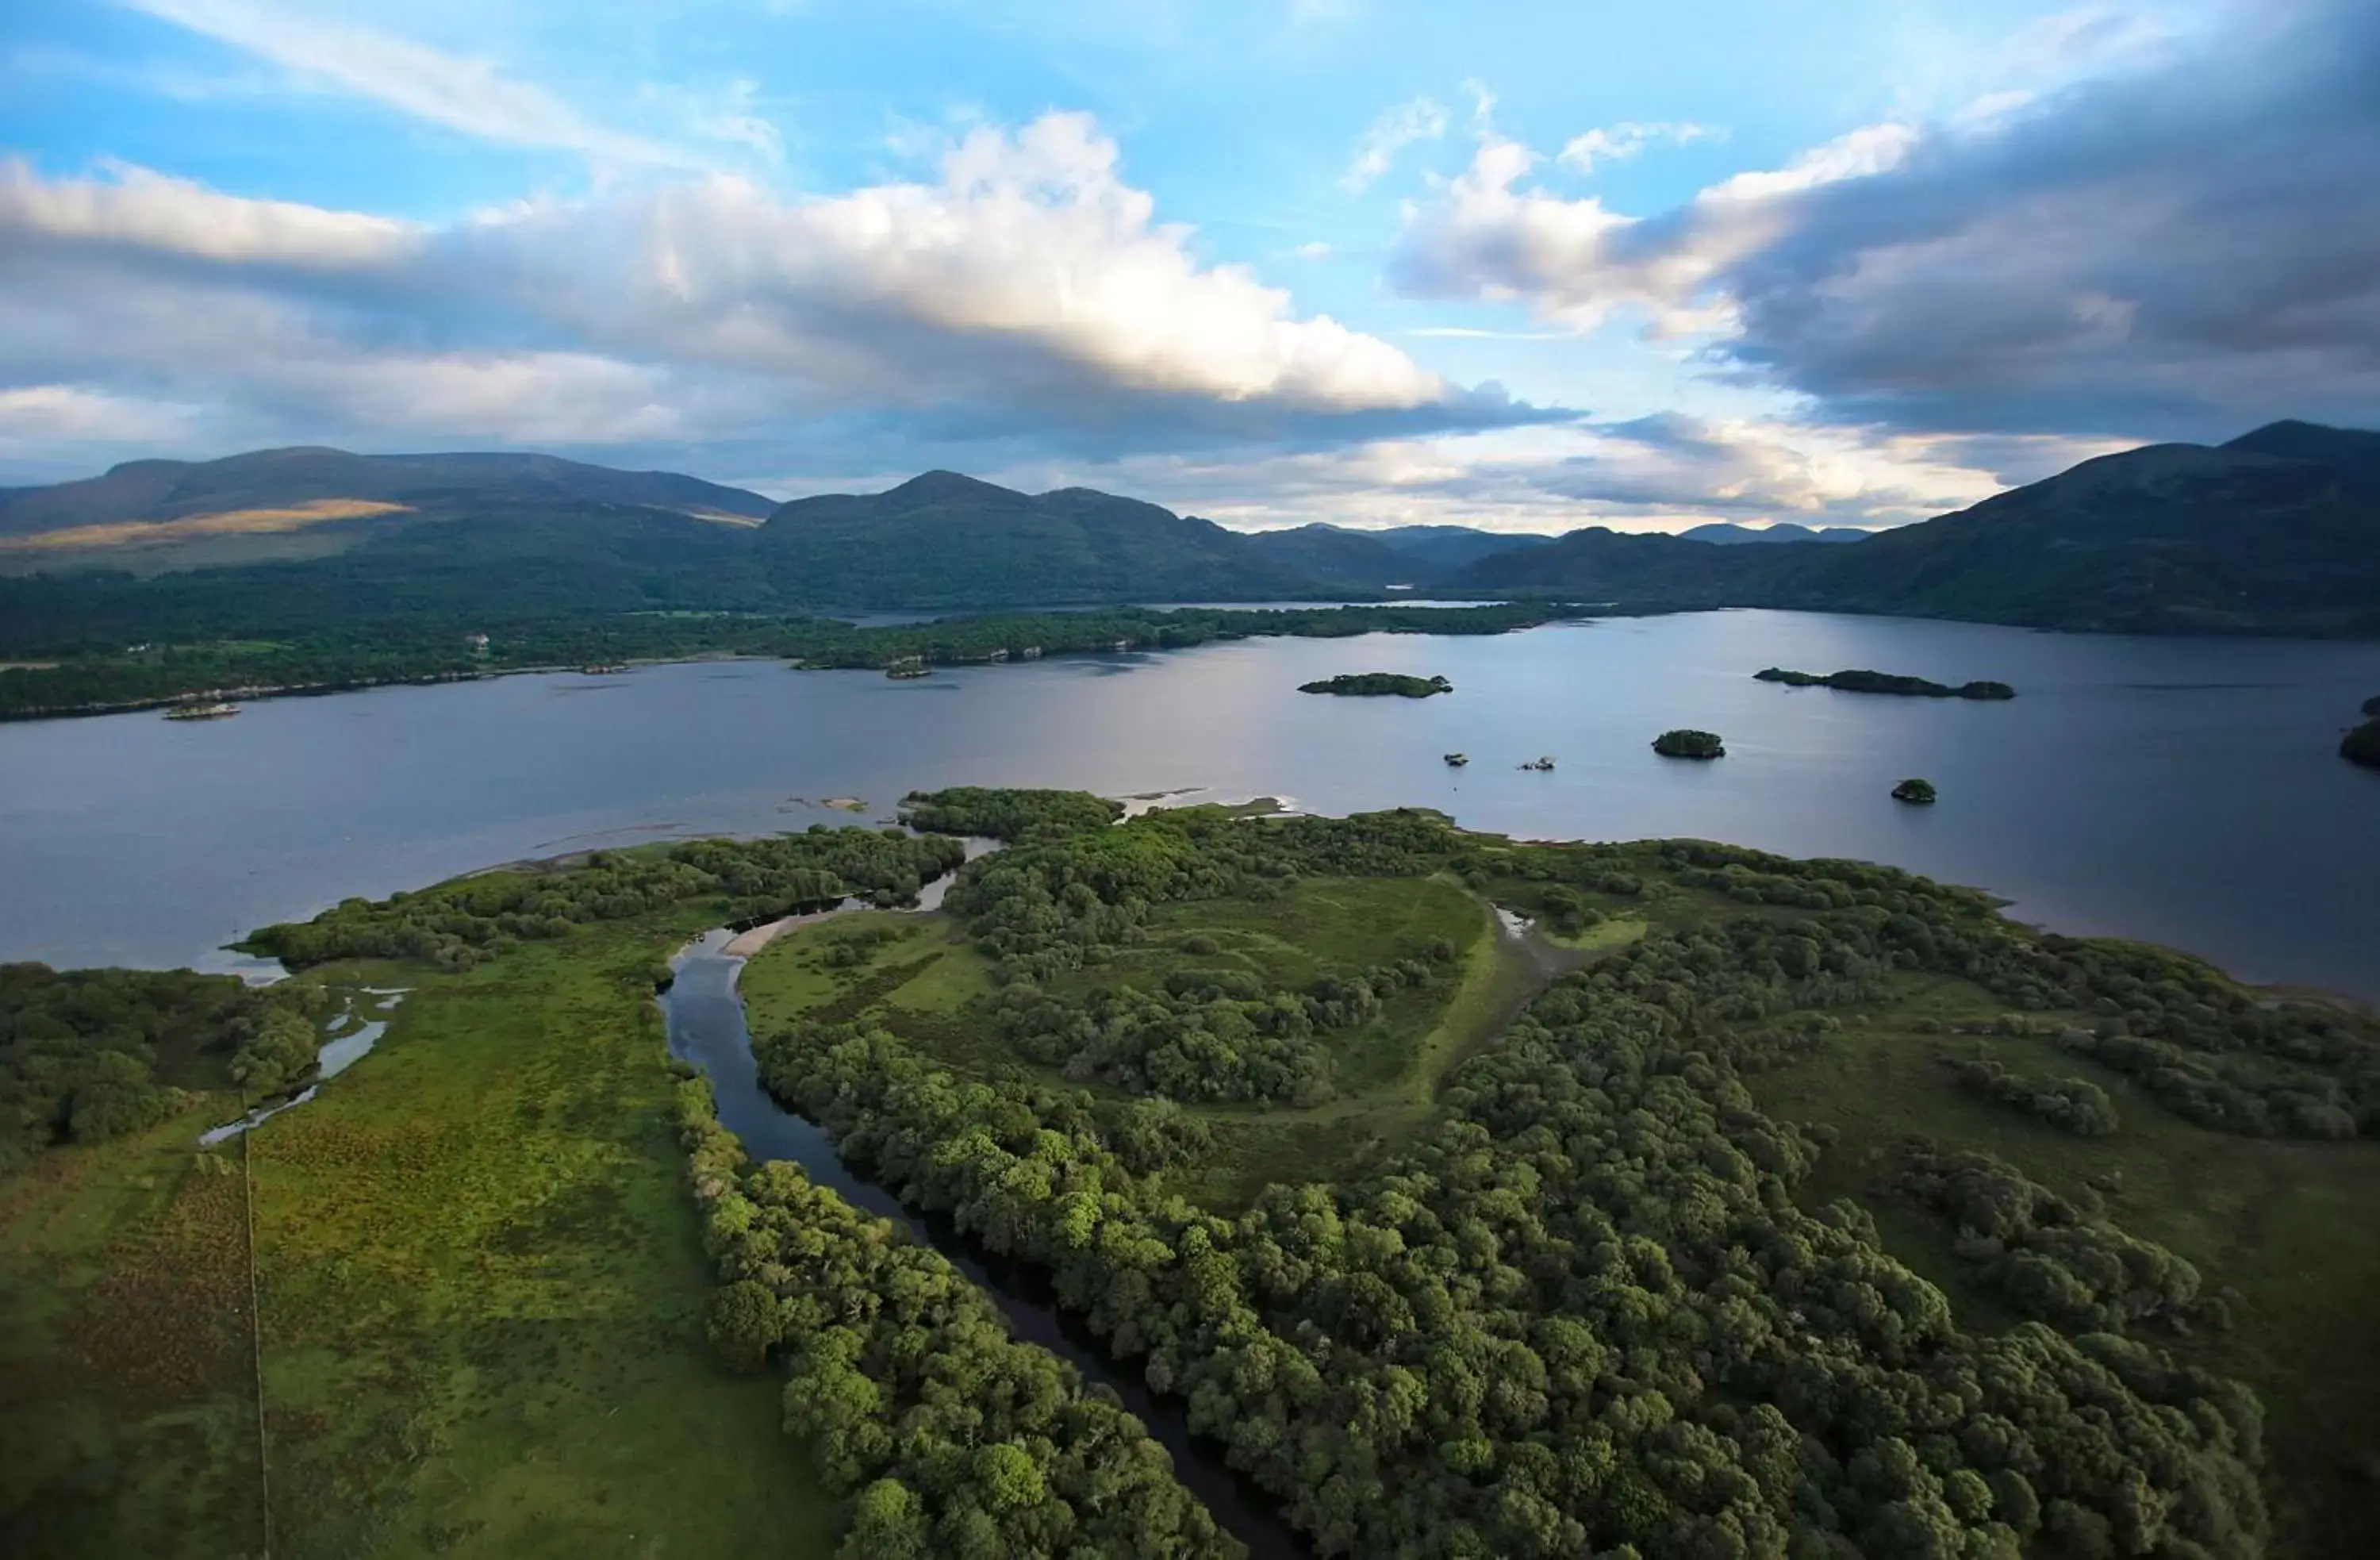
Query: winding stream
x=705, y=1017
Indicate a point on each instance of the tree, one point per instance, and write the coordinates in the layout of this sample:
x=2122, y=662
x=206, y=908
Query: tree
x=746, y=1322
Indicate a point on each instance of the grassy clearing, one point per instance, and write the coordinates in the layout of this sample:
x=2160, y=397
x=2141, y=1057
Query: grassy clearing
x=916, y=977
x=2284, y=1224
x=483, y=1290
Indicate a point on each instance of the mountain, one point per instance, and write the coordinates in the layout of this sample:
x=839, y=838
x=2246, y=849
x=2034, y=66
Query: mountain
x=1726, y=535
x=942, y=540
x=1447, y=548
x=160, y=514
x=1601, y=565
x=2275, y=532
x=1334, y=555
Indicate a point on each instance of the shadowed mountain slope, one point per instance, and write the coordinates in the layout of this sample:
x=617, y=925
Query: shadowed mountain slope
x=2277, y=532
x=942, y=540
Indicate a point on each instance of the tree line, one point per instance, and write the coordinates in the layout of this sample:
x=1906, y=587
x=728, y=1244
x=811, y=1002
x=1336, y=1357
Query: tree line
x=944, y=1435
x=457, y=924
x=96, y=672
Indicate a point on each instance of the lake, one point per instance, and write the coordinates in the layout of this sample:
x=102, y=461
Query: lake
x=2182, y=791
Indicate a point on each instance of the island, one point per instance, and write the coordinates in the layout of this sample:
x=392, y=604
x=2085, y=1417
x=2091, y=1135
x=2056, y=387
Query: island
x=2372, y=706
x=1886, y=682
x=2361, y=746
x=1377, y=685
x=1685, y=743
x=1468, y=1194
x=1915, y=790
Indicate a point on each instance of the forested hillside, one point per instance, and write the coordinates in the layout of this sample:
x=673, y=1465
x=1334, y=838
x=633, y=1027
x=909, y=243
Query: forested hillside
x=2276, y=533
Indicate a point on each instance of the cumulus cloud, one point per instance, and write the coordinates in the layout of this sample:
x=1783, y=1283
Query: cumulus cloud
x=1027, y=291
x=1578, y=261
x=2181, y=248
x=1378, y=149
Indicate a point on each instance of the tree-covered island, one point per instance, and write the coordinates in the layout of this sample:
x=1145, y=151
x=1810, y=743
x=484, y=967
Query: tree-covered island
x=1742, y=1206
x=2361, y=746
x=1686, y=743
x=1374, y=685
x=1886, y=682
x=1915, y=790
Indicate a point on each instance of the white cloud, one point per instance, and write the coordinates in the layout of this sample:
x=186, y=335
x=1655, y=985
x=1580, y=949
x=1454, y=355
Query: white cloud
x=136, y=207
x=474, y=96
x=1028, y=294
x=1490, y=235
x=1654, y=474
x=1615, y=143
x=1377, y=149
x=1313, y=252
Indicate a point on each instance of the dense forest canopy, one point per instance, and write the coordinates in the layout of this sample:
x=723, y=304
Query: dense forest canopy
x=947, y=1435
x=87, y=1054
x=1588, y=1304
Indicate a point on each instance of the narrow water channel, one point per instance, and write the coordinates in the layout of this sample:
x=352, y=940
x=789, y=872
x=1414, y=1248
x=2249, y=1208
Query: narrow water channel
x=705, y=1016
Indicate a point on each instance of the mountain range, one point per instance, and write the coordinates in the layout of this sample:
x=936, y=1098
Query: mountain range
x=2277, y=532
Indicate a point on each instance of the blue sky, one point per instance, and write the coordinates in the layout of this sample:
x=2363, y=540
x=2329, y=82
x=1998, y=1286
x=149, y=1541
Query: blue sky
x=1530, y=267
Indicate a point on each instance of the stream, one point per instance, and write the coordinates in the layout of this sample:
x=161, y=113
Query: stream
x=705, y=1016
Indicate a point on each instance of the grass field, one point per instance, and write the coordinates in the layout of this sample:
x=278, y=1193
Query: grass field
x=481, y=1320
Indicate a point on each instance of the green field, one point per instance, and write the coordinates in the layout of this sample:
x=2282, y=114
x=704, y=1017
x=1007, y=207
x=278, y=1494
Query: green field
x=482, y=1322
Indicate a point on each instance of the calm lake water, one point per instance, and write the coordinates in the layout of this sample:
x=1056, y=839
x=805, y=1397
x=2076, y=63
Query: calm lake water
x=2182, y=791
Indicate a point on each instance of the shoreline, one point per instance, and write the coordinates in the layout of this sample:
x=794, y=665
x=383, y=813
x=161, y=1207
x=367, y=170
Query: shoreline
x=1552, y=612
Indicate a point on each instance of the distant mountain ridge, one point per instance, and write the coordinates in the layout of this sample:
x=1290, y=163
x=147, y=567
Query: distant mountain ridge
x=171, y=489
x=1727, y=535
x=2277, y=531
x=943, y=540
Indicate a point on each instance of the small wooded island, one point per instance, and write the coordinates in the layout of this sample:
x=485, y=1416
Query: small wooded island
x=2361, y=746
x=1915, y=790
x=1687, y=744
x=1886, y=682
x=1374, y=685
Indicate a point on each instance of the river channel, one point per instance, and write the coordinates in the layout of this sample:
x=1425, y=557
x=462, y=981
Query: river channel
x=705, y=1022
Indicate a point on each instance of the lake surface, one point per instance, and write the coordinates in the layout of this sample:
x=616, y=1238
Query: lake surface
x=2183, y=791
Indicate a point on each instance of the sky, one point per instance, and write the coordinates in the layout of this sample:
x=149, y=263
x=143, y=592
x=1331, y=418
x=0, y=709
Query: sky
x=1518, y=265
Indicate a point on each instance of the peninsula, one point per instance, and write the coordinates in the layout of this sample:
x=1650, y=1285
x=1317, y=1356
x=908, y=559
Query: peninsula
x=1885, y=682
x=1622, y=1170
